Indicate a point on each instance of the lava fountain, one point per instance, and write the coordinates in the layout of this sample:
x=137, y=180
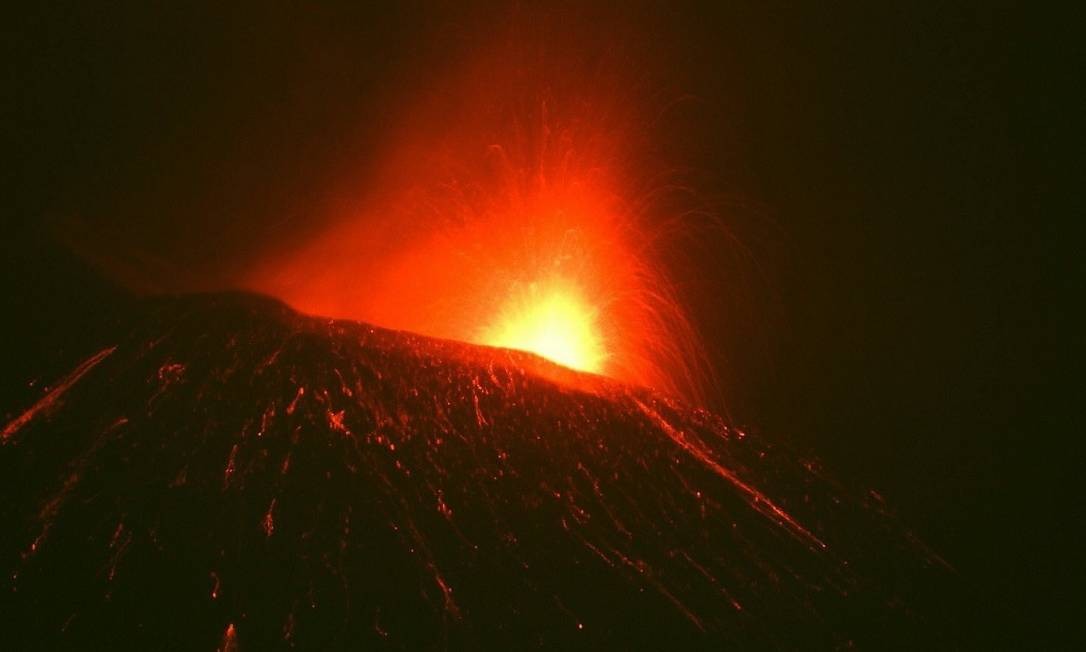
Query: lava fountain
x=517, y=203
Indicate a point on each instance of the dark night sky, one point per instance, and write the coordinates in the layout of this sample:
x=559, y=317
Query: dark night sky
x=901, y=315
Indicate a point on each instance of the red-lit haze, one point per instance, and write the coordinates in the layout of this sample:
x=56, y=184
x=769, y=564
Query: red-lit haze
x=516, y=206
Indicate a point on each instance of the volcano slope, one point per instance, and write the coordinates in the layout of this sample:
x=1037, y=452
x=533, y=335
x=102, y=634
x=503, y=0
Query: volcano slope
x=227, y=473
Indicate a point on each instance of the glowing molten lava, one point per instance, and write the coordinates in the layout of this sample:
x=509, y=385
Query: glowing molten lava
x=555, y=323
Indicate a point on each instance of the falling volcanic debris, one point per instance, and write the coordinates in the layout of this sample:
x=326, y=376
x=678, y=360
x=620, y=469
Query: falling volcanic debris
x=226, y=472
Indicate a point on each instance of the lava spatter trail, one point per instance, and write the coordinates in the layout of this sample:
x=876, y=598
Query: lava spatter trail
x=232, y=474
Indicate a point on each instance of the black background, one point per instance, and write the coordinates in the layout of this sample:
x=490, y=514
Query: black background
x=887, y=170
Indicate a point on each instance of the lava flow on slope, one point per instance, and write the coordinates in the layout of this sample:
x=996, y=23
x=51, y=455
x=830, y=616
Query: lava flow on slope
x=228, y=472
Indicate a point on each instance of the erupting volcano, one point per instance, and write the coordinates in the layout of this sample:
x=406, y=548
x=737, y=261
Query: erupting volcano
x=445, y=374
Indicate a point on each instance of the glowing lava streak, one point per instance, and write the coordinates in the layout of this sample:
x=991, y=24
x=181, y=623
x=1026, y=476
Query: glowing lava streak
x=555, y=323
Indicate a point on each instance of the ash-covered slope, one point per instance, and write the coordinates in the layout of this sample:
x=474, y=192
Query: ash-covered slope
x=227, y=472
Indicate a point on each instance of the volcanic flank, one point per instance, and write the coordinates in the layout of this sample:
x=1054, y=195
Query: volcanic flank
x=225, y=472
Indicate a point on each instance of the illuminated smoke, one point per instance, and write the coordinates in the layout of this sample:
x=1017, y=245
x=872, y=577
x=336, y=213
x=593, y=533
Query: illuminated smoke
x=517, y=205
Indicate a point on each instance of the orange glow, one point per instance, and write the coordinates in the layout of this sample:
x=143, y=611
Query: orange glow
x=512, y=205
